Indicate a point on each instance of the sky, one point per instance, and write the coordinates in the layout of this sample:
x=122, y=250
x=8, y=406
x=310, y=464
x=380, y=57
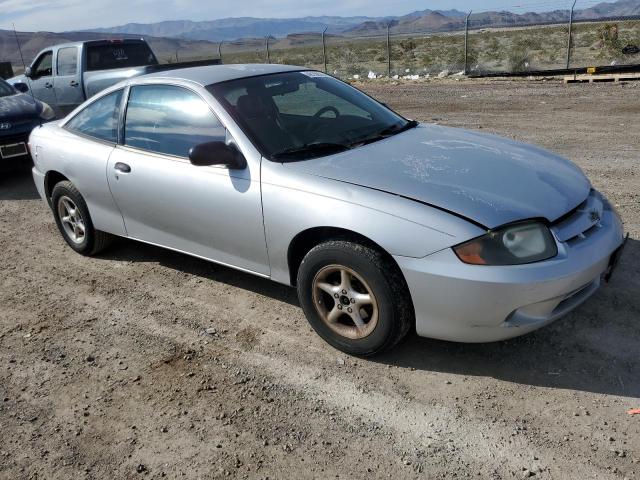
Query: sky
x=63, y=15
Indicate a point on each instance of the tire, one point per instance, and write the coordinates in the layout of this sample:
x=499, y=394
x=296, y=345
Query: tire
x=66, y=198
x=386, y=319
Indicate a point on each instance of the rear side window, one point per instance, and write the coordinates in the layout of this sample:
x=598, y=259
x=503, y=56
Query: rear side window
x=99, y=119
x=67, y=63
x=169, y=120
x=119, y=55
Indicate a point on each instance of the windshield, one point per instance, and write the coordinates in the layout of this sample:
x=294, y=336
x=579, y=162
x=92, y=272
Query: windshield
x=119, y=55
x=299, y=115
x=6, y=89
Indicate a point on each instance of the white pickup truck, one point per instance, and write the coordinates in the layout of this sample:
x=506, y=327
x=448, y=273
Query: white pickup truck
x=64, y=76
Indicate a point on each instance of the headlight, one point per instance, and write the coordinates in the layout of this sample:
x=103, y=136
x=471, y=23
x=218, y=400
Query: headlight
x=514, y=244
x=47, y=112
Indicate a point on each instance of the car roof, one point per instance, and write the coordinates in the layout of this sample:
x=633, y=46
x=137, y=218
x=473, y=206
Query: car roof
x=211, y=74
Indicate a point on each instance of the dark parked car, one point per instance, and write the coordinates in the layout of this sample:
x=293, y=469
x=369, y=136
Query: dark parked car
x=19, y=114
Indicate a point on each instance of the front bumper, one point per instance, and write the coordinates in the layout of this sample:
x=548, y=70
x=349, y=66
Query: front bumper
x=469, y=303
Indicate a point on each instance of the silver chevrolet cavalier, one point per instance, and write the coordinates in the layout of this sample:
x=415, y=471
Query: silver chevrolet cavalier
x=380, y=222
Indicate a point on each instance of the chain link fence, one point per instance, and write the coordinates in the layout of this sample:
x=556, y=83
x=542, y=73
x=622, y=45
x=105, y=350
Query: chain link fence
x=475, y=49
x=612, y=42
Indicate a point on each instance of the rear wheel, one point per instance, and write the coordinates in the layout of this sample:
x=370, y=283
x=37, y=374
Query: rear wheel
x=74, y=222
x=354, y=297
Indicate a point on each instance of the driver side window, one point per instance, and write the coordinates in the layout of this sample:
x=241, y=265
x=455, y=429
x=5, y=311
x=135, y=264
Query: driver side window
x=43, y=66
x=170, y=120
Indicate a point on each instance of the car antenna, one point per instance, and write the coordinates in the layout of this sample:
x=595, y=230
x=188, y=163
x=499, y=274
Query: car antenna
x=24, y=67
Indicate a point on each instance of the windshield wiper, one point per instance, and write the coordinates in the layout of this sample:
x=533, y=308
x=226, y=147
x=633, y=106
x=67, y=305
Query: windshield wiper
x=313, y=149
x=387, y=132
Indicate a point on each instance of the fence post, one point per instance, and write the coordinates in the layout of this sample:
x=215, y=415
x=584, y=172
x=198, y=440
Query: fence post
x=466, y=42
x=569, y=39
x=388, y=53
x=324, y=50
x=268, y=53
x=220, y=51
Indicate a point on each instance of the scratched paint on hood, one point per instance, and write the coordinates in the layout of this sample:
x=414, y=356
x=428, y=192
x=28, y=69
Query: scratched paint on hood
x=489, y=179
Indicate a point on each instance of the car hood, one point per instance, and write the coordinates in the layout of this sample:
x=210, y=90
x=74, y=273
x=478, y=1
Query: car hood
x=487, y=179
x=18, y=107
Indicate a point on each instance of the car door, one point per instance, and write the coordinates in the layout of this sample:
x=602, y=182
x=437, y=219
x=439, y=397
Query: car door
x=211, y=212
x=83, y=151
x=68, y=82
x=42, y=78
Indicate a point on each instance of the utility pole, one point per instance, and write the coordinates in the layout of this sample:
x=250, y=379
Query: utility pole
x=466, y=42
x=569, y=39
x=220, y=51
x=324, y=50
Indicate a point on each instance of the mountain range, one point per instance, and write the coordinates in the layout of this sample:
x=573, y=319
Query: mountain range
x=181, y=38
x=431, y=20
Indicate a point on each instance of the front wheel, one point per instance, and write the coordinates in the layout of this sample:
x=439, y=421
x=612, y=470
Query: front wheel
x=74, y=222
x=354, y=297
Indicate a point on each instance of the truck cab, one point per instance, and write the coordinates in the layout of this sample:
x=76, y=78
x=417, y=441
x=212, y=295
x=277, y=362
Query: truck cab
x=66, y=75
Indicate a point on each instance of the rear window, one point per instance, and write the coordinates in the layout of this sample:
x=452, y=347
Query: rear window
x=119, y=55
x=68, y=61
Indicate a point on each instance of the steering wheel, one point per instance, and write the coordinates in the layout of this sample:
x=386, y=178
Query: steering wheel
x=315, y=128
x=326, y=109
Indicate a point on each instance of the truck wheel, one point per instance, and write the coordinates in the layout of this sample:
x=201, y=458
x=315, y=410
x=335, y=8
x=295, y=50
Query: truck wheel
x=74, y=222
x=354, y=297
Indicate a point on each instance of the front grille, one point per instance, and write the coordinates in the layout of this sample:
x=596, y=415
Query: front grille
x=582, y=221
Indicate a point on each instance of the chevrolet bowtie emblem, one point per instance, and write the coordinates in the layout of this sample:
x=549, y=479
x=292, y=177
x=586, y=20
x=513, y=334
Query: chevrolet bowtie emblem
x=5, y=126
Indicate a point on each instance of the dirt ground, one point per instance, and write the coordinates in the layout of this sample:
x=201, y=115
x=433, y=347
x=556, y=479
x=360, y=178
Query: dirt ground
x=144, y=363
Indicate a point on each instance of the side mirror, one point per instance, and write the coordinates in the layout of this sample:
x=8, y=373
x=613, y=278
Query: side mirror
x=27, y=72
x=21, y=87
x=217, y=153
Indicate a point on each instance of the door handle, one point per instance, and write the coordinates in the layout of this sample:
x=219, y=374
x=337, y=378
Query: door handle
x=122, y=167
x=73, y=83
x=48, y=85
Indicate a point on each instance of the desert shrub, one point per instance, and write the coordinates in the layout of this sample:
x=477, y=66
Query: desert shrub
x=519, y=59
x=492, y=47
x=609, y=39
x=407, y=47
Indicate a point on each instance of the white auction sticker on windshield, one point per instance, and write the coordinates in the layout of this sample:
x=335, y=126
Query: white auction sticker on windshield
x=314, y=74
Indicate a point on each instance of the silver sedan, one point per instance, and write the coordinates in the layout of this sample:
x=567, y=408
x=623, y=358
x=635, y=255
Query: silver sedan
x=381, y=223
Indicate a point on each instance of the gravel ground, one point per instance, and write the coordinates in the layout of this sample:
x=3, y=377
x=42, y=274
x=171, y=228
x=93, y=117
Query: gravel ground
x=143, y=363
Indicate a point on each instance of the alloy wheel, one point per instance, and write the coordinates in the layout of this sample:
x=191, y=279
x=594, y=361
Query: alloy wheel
x=71, y=220
x=345, y=302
